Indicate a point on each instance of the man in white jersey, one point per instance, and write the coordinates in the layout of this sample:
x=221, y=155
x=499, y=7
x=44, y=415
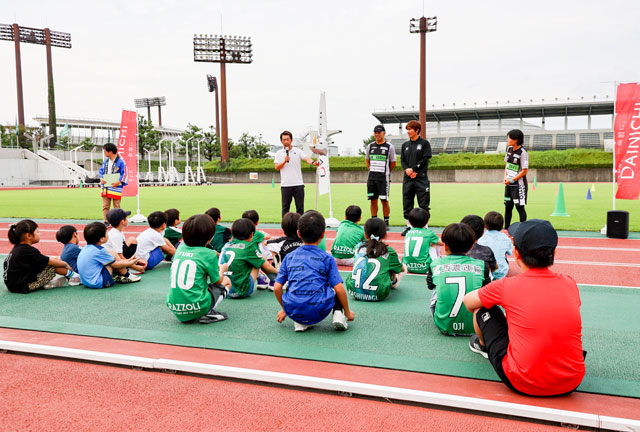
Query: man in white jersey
x=287, y=161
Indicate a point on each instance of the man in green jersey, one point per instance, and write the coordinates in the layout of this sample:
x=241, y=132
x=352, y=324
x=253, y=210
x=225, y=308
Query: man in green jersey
x=243, y=259
x=418, y=242
x=348, y=236
x=452, y=276
x=191, y=297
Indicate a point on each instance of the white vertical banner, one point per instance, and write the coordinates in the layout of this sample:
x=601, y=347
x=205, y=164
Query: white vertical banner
x=320, y=146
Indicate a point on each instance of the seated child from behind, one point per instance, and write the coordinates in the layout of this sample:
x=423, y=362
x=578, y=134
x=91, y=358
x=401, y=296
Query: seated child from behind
x=222, y=235
x=315, y=286
x=377, y=268
x=244, y=260
x=291, y=241
x=191, y=297
x=99, y=268
x=418, y=241
x=172, y=232
x=478, y=251
x=499, y=242
x=348, y=236
x=116, y=243
x=152, y=246
x=68, y=236
x=452, y=276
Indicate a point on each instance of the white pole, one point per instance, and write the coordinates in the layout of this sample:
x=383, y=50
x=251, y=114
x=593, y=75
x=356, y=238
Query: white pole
x=198, y=161
x=91, y=161
x=613, y=179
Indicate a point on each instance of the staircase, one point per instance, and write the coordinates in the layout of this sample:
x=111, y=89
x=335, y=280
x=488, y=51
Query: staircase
x=76, y=172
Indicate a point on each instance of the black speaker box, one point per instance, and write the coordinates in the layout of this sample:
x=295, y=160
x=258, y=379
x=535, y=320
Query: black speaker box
x=618, y=224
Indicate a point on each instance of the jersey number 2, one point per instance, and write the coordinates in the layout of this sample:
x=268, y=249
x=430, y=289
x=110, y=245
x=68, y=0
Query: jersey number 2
x=357, y=275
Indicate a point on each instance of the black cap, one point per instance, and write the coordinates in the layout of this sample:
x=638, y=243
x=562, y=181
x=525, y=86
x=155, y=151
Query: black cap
x=533, y=234
x=379, y=128
x=115, y=216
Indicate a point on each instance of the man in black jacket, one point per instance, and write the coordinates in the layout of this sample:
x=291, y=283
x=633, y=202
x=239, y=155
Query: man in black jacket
x=415, y=161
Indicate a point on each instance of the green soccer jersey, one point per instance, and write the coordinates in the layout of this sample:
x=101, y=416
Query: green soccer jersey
x=189, y=297
x=454, y=276
x=218, y=241
x=242, y=257
x=258, y=237
x=370, y=279
x=416, y=249
x=348, y=236
x=173, y=234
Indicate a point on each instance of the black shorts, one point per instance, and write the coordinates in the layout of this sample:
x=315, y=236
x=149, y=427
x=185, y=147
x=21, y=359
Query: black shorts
x=378, y=189
x=128, y=251
x=516, y=193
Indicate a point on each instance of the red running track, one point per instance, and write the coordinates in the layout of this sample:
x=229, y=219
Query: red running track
x=595, y=261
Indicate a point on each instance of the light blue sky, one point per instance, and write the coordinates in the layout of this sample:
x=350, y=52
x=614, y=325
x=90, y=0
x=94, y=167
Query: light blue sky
x=360, y=52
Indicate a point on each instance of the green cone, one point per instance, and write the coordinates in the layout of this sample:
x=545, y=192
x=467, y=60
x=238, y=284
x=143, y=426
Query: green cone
x=560, y=209
x=273, y=182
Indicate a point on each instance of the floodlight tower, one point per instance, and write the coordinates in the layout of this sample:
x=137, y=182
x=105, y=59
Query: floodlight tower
x=148, y=103
x=222, y=49
x=213, y=87
x=423, y=26
x=38, y=37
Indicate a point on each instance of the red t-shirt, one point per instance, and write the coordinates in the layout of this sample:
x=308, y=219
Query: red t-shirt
x=545, y=330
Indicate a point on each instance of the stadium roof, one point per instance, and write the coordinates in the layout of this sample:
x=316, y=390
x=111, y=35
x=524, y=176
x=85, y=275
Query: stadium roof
x=538, y=110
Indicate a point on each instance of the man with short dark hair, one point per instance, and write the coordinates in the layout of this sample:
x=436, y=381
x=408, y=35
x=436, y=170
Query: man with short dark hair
x=415, y=161
x=515, y=177
x=536, y=349
x=287, y=161
x=380, y=157
x=111, y=190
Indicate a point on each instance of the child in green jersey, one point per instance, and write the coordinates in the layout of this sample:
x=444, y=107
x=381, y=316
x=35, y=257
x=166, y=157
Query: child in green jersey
x=260, y=239
x=244, y=260
x=348, y=236
x=377, y=268
x=191, y=297
x=452, y=276
x=418, y=241
x=172, y=232
x=222, y=235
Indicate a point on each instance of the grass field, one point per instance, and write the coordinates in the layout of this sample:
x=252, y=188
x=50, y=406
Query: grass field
x=449, y=202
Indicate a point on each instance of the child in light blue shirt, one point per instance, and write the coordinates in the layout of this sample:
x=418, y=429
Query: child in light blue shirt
x=499, y=242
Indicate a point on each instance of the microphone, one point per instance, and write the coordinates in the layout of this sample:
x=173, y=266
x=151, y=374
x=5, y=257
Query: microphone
x=287, y=150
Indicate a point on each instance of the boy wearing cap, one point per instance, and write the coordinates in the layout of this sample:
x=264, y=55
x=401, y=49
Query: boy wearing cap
x=116, y=243
x=381, y=160
x=537, y=348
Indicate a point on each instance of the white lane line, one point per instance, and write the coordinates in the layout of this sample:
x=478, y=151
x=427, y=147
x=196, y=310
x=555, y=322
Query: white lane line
x=591, y=263
x=325, y=384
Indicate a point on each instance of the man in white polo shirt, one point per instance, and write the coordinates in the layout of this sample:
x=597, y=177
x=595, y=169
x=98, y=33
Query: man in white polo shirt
x=287, y=161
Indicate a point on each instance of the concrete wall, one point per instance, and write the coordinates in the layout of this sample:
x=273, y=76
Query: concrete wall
x=24, y=172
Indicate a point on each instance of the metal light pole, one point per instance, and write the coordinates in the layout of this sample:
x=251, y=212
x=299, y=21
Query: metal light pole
x=222, y=49
x=423, y=26
x=148, y=103
x=213, y=87
x=38, y=37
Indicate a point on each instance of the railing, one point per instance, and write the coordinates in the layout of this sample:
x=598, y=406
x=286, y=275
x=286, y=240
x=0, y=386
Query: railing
x=77, y=173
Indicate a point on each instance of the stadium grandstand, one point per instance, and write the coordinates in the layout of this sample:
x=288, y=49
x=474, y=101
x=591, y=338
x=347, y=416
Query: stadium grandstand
x=483, y=129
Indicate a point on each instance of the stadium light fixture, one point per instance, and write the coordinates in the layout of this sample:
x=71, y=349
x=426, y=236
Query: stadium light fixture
x=147, y=103
x=48, y=38
x=212, y=83
x=222, y=49
x=423, y=26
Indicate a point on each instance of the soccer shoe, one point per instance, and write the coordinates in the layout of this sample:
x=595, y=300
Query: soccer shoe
x=339, y=321
x=262, y=283
x=474, y=345
x=128, y=278
x=212, y=316
x=74, y=280
x=406, y=230
x=56, y=282
x=300, y=327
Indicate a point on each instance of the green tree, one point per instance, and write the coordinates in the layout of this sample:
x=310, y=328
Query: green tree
x=365, y=143
x=6, y=138
x=190, y=137
x=148, y=136
x=210, y=144
x=253, y=147
x=87, y=144
x=64, y=142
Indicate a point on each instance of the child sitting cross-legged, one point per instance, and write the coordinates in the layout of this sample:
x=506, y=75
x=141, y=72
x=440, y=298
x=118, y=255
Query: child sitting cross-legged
x=452, y=276
x=349, y=234
x=377, y=268
x=260, y=239
x=99, y=268
x=282, y=246
x=68, y=236
x=418, y=241
x=222, y=235
x=478, y=251
x=152, y=246
x=117, y=244
x=314, y=283
x=26, y=269
x=172, y=232
x=191, y=297
x=244, y=260
x=499, y=242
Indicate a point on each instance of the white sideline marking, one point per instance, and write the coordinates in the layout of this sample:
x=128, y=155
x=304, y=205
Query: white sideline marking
x=590, y=263
x=431, y=398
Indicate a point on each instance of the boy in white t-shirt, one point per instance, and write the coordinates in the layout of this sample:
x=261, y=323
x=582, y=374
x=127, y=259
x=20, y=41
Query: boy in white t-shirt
x=116, y=243
x=152, y=246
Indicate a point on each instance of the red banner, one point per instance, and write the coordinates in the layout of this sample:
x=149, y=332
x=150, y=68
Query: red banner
x=128, y=151
x=627, y=137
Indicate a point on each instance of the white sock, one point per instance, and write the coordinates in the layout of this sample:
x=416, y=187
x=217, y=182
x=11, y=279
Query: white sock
x=69, y=274
x=408, y=224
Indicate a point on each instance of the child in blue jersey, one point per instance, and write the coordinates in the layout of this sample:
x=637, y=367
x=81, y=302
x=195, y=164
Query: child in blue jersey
x=68, y=236
x=499, y=243
x=315, y=286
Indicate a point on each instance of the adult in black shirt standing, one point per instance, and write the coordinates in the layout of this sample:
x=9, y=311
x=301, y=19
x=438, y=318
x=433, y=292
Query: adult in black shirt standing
x=415, y=157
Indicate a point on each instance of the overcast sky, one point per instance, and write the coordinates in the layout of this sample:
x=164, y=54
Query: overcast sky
x=359, y=51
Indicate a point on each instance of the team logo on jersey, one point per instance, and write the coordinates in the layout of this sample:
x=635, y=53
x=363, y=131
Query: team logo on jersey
x=384, y=151
x=486, y=317
x=419, y=147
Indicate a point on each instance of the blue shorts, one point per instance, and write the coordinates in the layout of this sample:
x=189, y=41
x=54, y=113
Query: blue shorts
x=234, y=295
x=107, y=279
x=155, y=257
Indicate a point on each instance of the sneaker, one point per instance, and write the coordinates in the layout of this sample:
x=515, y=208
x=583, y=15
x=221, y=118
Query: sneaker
x=474, y=345
x=56, y=282
x=395, y=282
x=406, y=230
x=128, y=278
x=74, y=280
x=339, y=321
x=262, y=283
x=271, y=285
x=212, y=316
x=300, y=327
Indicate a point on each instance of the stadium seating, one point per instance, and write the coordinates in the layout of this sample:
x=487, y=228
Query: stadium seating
x=565, y=141
x=542, y=142
x=476, y=144
x=455, y=144
x=437, y=144
x=590, y=140
x=492, y=142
